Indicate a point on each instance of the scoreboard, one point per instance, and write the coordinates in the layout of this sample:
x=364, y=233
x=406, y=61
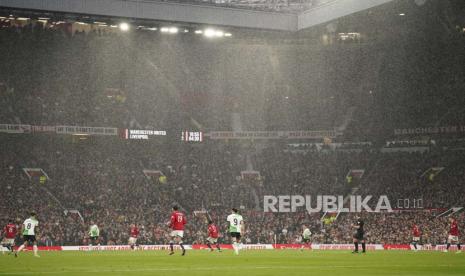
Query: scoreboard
x=192, y=136
x=141, y=134
x=147, y=134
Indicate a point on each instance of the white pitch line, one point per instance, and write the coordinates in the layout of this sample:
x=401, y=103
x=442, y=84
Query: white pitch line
x=211, y=268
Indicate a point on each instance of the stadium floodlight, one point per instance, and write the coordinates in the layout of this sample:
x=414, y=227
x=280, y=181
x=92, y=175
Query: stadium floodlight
x=113, y=26
x=227, y=34
x=124, y=27
x=219, y=33
x=23, y=18
x=164, y=29
x=401, y=14
x=209, y=33
x=173, y=30
x=198, y=31
x=186, y=30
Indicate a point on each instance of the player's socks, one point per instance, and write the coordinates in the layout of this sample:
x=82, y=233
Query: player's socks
x=35, y=249
x=90, y=247
x=448, y=245
x=363, y=247
x=20, y=248
x=459, y=246
x=218, y=247
x=415, y=245
x=183, y=250
x=132, y=246
x=356, y=246
x=209, y=246
x=236, y=248
x=171, y=247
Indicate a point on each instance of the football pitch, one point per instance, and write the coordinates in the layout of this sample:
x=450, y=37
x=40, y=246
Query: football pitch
x=248, y=263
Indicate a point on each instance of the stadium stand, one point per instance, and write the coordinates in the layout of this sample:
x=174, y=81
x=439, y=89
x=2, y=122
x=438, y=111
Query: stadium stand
x=58, y=83
x=106, y=184
x=293, y=6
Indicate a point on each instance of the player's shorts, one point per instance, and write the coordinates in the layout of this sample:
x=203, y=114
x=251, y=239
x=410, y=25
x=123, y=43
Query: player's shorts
x=359, y=236
x=305, y=240
x=177, y=233
x=29, y=238
x=415, y=239
x=236, y=235
x=94, y=238
x=7, y=241
x=212, y=240
x=452, y=238
x=132, y=240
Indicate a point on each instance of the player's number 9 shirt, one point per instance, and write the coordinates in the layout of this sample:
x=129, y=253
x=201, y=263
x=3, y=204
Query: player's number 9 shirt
x=235, y=222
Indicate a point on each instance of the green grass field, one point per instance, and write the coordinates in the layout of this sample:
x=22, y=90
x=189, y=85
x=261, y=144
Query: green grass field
x=248, y=263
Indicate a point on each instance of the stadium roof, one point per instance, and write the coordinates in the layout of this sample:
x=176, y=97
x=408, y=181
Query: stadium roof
x=235, y=14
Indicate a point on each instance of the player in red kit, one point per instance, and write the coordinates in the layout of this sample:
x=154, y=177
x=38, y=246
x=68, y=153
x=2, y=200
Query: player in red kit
x=177, y=222
x=9, y=234
x=213, y=236
x=133, y=234
x=453, y=235
x=416, y=236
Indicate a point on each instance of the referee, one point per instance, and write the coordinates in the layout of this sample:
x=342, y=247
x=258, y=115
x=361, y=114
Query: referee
x=358, y=235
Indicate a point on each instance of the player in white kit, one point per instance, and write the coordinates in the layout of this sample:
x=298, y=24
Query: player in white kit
x=236, y=227
x=29, y=232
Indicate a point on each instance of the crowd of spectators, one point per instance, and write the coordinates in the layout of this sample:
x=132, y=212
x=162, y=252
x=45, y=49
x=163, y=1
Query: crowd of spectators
x=148, y=79
x=106, y=184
